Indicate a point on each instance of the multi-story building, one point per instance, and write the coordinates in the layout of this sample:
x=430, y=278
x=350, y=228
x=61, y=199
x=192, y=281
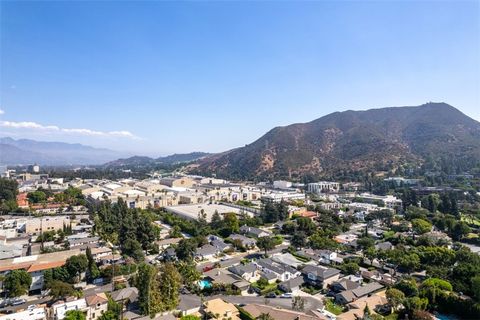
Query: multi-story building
x=37, y=225
x=323, y=187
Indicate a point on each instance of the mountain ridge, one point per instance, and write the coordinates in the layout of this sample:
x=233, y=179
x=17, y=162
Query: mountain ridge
x=374, y=139
x=28, y=151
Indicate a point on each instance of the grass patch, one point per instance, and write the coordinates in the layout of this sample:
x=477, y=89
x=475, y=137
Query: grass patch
x=310, y=289
x=332, y=307
x=265, y=288
x=392, y=316
x=470, y=220
x=299, y=257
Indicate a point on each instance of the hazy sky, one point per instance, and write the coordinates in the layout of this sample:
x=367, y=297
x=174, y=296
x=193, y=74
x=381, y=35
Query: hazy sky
x=162, y=77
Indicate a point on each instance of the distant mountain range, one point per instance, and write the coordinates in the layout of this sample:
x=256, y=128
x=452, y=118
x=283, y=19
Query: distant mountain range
x=376, y=139
x=25, y=151
x=349, y=141
x=147, y=161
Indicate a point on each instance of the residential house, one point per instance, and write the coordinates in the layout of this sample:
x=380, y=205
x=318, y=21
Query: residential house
x=282, y=272
x=383, y=278
x=354, y=294
x=206, y=252
x=83, y=241
x=343, y=284
x=292, y=285
x=247, y=271
x=254, y=232
x=246, y=242
x=125, y=296
x=165, y=243
x=59, y=309
x=221, y=245
x=287, y=259
x=219, y=309
x=374, y=302
x=328, y=257
x=29, y=314
x=189, y=304
x=256, y=310
x=97, y=305
x=319, y=275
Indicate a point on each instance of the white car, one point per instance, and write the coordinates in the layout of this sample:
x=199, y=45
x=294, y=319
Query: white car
x=286, y=295
x=17, y=302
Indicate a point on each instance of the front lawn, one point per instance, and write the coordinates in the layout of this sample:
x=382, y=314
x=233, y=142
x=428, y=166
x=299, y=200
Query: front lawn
x=264, y=288
x=332, y=307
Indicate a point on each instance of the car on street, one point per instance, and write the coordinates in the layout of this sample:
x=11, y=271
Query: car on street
x=18, y=301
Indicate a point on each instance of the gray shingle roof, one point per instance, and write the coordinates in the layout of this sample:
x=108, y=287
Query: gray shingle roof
x=243, y=269
x=292, y=283
x=320, y=272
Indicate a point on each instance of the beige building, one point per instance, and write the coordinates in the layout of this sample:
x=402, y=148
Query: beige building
x=97, y=305
x=184, y=182
x=37, y=225
x=219, y=309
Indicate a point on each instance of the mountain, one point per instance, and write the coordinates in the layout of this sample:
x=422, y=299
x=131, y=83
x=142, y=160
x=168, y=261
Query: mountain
x=25, y=151
x=138, y=161
x=376, y=139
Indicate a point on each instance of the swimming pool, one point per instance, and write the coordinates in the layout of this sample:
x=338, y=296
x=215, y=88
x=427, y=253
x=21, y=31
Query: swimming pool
x=204, y=284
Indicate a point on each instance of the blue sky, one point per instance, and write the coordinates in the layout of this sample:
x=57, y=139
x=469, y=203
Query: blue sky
x=161, y=77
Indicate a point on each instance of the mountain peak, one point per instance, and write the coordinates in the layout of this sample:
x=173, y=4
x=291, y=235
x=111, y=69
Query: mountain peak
x=383, y=138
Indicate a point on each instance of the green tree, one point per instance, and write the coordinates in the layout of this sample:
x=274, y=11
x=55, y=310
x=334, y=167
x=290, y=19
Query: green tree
x=189, y=273
x=266, y=244
x=75, y=315
x=476, y=287
x=92, y=270
x=305, y=225
x=17, y=283
x=319, y=241
x=108, y=315
x=460, y=229
x=230, y=224
x=37, y=197
x=298, y=303
x=421, y=226
x=299, y=239
x=171, y=281
x=365, y=243
x=415, y=303
x=186, y=249
x=60, y=289
x=395, y=298
x=149, y=298
x=408, y=287
x=131, y=247
x=351, y=268
x=432, y=287
x=76, y=265
x=264, y=316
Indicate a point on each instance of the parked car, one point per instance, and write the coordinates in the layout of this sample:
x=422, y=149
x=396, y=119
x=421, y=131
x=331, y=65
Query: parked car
x=271, y=295
x=18, y=301
x=4, y=303
x=286, y=295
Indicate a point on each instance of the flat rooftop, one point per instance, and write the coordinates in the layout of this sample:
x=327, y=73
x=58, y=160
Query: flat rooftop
x=191, y=211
